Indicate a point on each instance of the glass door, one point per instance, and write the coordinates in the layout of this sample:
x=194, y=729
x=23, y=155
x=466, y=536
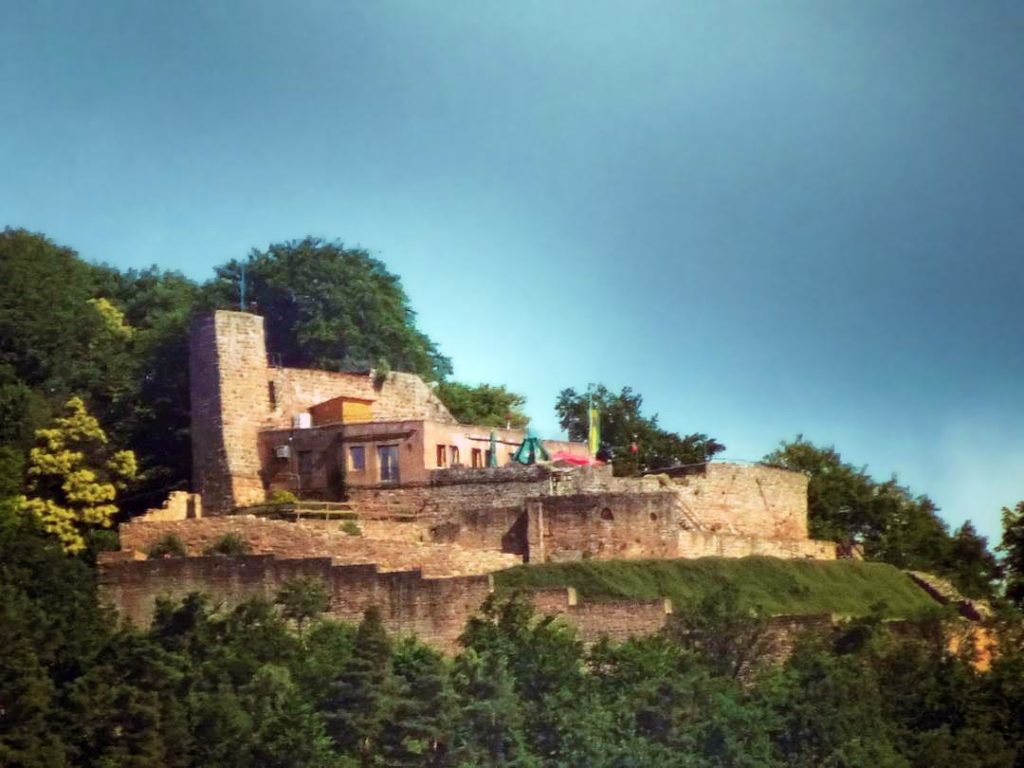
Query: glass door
x=387, y=459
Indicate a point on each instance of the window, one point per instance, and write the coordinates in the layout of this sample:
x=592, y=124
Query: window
x=442, y=455
x=453, y=454
x=357, y=458
x=387, y=456
x=477, y=458
x=305, y=462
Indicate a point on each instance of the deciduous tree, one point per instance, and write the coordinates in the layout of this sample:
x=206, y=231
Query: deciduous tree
x=1012, y=548
x=74, y=477
x=329, y=306
x=633, y=440
x=484, y=404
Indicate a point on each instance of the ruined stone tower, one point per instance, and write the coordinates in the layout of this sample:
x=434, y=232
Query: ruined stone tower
x=230, y=400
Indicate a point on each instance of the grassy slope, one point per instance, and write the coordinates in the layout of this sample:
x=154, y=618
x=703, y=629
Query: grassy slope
x=777, y=586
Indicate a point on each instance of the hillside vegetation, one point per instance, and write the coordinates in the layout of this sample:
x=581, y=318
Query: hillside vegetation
x=278, y=684
x=797, y=587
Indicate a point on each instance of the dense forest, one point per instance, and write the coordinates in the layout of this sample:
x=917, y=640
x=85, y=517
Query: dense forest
x=94, y=428
x=278, y=685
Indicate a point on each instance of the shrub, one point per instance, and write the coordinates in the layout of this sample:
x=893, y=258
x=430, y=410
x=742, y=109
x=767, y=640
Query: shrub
x=281, y=496
x=351, y=527
x=229, y=544
x=168, y=545
x=302, y=599
x=381, y=373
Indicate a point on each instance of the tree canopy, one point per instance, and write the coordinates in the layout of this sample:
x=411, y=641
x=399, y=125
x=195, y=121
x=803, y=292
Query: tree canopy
x=329, y=306
x=74, y=476
x=484, y=404
x=1012, y=548
x=892, y=525
x=632, y=440
x=93, y=366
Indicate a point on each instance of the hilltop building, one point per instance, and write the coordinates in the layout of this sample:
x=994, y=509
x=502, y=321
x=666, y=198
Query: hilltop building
x=426, y=519
x=257, y=428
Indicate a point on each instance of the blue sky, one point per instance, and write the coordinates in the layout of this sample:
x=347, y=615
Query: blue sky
x=768, y=218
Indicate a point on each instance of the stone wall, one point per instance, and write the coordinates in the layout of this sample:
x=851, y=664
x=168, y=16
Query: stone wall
x=464, y=488
x=435, y=609
x=401, y=396
x=722, y=510
x=316, y=539
x=180, y=505
x=747, y=500
x=605, y=526
x=454, y=490
x=235, y=394
x=693, y=544
x=618, y=620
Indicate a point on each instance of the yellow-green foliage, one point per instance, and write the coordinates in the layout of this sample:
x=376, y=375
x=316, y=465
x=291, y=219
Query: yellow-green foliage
x=280, y=496
x=113, y=319
x=73, y=478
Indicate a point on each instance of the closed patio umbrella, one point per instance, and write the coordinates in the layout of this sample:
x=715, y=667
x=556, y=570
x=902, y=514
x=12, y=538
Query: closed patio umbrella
x=492, y=458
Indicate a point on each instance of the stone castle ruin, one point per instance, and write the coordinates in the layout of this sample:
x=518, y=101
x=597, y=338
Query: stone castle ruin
x=403, y=507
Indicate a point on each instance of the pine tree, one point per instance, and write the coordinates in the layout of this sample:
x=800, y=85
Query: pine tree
x=417, y=731
x=358, y=708
x=26, y=691
x=287, y=732
x=489, y=724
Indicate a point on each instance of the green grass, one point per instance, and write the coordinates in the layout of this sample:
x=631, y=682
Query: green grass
x=799, y=587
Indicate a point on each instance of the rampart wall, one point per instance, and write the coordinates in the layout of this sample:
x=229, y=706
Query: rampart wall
x=316, y=539
x=603, y=526
x=750, y=500
x=618, y=620
x=435, y=609
x=452, y=490
x=720, y=510
x=693, y=544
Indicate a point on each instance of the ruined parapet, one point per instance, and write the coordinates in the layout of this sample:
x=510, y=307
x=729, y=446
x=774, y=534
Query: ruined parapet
x=694, y=544
x=179, y=505
x=230, y=400
x=397, y=396
x=603, y=526
x=745, y=500
x=617, y=620
x=944, y=592
x=436, y=609
x=310, y=539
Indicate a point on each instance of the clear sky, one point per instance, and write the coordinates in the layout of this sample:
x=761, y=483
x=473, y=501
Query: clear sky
x=768, y=218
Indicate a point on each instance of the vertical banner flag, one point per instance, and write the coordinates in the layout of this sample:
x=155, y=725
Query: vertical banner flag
x=594, y=434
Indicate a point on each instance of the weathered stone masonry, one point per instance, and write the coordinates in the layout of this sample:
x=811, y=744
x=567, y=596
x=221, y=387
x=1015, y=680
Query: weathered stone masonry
x=435, y=609
x=229, y=395
x=315, y=539
x=257, y=428
x=429, y=536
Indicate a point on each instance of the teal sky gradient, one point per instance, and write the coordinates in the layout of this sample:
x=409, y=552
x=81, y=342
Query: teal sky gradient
x=768, y=218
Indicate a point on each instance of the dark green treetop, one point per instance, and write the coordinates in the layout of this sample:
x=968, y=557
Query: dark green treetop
x=624, y=426
x=330, y=306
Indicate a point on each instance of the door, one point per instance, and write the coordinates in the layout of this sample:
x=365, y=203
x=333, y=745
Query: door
x=387, y=458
